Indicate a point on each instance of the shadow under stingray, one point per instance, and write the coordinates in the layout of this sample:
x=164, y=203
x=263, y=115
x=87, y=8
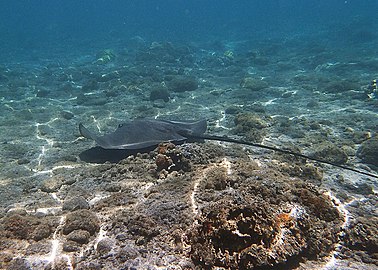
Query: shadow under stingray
x=101, y=155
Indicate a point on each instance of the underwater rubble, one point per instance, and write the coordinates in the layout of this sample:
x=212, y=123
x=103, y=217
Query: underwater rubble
x=184, y=207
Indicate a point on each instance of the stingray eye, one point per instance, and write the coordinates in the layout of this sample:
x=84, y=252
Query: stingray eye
x=120, y=125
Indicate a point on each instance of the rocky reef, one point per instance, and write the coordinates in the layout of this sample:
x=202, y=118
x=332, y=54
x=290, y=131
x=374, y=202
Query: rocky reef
x=190, y=207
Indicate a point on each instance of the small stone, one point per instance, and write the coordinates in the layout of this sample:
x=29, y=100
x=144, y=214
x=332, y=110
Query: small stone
x=67, y=115
x=75, y=203
x=79, y=236
x=104, y=246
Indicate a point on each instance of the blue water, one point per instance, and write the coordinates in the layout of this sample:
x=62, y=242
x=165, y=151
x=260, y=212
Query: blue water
x=38, y=24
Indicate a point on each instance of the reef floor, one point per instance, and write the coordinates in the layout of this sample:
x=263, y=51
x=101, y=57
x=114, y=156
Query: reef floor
x=66, y=204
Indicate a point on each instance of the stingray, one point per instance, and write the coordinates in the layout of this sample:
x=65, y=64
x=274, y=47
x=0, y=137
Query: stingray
x=144, y=133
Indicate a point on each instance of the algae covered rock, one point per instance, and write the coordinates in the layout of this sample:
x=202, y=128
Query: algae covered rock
x=182, y=83
x=79, y=236
x=251, y=126
x=159, y=93
x=25, y=226
x=330, y=152
x=246, y=121
x=368, y=151
x=75, y=203
x=339, y=86
x=253, y=84
x=81, y=220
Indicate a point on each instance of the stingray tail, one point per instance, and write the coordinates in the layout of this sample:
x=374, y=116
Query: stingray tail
x=231, y=140
x=85, y=132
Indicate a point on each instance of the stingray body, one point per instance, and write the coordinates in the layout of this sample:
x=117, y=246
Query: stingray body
x=144, y=133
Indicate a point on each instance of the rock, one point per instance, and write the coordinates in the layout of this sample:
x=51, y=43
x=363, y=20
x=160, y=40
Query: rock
x=38, y=248
x=90, y=86
x=18, y=226
x=247, y=121
x=113, y=187
x=104, y=246
x=71, y=246
x=23, y=161
x=253, y=84
x=67, y=115
x=128, y=253
x=339, y=86
x=159, y=93
x=232, y=110
x=111, y=93
x=330, y=152
x=181, y=83
x=251, y=126
x=368, y=151
x=91, y=100
x=71, y=158
x=81, y=220
x=75, y=203
x=159, y=103
x=19, y=264
x=42, y=231
x=362, y=235
x=216, y=178
x=42, y=93
x=14, y=151
x=79, y=236
x=52, y=184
